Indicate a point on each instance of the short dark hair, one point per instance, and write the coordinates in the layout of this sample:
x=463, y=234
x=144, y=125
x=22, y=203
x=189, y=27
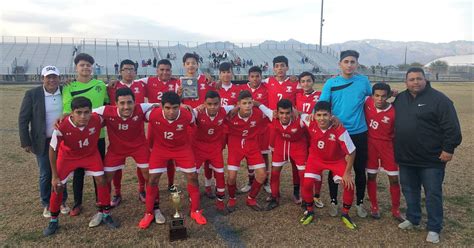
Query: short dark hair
x=285, y=104
x=225, y=66
x=124, y=92
x=85, y=57
x=212, y=94
x=280, y=59
x=347, y=53
x=171, y=98
x=127, y=62
x=164, y=62
x=80, y=102
x=255, y=69
x=306, y=73
x=322, y=105
x=381, y=86
x=244, y=94
x=415, y=69
x=189, y=56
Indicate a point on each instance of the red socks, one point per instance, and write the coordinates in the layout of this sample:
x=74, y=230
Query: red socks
x=255, y=189
x=395, y=195
x=194, y=197
x=347, y=199
x=275, y=184
x=152, y=192
x=220, y=184
x=231, y=189
x=117, y=181
x=171, y=169
x=372, y=192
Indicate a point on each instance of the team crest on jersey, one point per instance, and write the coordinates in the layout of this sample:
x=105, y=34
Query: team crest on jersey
x=111, y=119
x=135, y=118
x=293, y=130
x=98, y=88
x=253, y=123
x=385, y=119
x=170, y=87
x=179, y=127
x=219, y=122
x=259, y=96
x=68, y=133
x=288, y=89
x=91, y=131
x=332, y=137
x=137, y=90
x=236, y=123
x=232, y=95
x=203, y=86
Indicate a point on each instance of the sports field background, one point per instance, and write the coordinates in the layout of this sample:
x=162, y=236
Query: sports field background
x=21, y=221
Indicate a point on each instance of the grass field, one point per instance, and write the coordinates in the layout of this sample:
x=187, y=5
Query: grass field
x=21, y=222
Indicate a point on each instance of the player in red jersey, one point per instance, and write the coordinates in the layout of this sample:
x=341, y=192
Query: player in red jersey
x=208, y=141
x=291, y=144
x=168, y=137
x=191, y=66
x=331, y=149
x=380, y=118
x=242, y=143
x=228, y=92
x=74, y=145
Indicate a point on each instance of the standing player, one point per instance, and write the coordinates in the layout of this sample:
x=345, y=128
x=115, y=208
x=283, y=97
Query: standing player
x=331, y=149
x=191, y=66
x=74, y=145
x=168, y=137
x=380, y=118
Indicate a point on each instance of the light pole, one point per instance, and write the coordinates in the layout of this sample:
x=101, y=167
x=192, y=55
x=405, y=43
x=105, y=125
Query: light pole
x=321, y=28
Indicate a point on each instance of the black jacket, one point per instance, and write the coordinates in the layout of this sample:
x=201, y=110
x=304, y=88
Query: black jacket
x=425, y=126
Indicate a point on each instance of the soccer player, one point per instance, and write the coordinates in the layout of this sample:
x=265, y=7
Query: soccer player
x=74, y=145
x=191, y=66
x=330, y=149
x=128, y=73
x=228, y=92
x=168, y=137
x=290, y=144
x=380, y=118
x=242, y=143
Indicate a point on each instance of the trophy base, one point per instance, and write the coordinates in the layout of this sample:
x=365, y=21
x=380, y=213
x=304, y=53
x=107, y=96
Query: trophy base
x=177, y=229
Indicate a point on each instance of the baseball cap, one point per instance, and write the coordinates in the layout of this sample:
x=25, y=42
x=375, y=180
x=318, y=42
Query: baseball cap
x=50, y=69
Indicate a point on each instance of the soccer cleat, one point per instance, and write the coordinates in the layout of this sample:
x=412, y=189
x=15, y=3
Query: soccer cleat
x=209, y=193
x=307, y=218
x=348, y=221
x=267, y=188
x=407, y=225
x=159, y=218
x=64, y=209
x=252, y=203
x=398, y=216
x=198, y=217
x=297, y=199
x=116, y=200
x=333, y=209
x=374, y=213
x=46, y=213
x=231, y=205
x=272, y=204
x=96, y=220
x=142, y=196
x=146, y=221
x=109, y=222
x=220, y=205
x=246, y=188
x=361, y=211
x=432, y=237
x=76, y=211
x=53, y=226
x=318, y=203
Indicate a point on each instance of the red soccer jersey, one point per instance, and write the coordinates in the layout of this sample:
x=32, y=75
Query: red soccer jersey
x=295, y=131
x=331, y=145
x=247, y=128
x=171, y=135
x=137, y=87
x=230, y=95
x=210, y=130
x=203, y=88
x=280, y=90
x=260, y=94
x=125, y=135
x=73, y=142
x=305, y=102
x=155, y=88
x=380, y=122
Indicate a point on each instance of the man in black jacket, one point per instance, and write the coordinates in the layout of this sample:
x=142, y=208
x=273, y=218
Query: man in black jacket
x=427, y=131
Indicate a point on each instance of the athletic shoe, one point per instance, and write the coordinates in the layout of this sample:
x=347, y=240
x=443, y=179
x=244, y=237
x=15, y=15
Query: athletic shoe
x=348, y=221
x=246, y=188
x=231, y=205
x=209, y=193
x=116, y=200
x=374, y=213
x=398, y=216
x=267, y=188
x=64, y=209
x=109, y=222
x=198, y=217
x=307, y=218
x=333, y=209
x=53, y=226
x=46, y=213
x=146, y=221
x=142, y=196
x=96, y=220
x=317, y=202
x=159, y=218
x=361, y=211
x=297, y=199
x=432, y=237
x=220, y=205
x=407, y=225
x=252, y=203
x=272, y=204
x=76, y=211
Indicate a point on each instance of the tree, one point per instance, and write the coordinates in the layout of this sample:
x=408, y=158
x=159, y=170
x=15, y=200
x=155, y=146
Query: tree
x=403, y=67
x=416, y=64
x=439, y=66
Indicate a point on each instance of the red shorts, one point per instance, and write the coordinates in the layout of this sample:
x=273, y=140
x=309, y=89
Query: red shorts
x=204, y=152
x=285, y=150
x=239, y=149
x=264, y=142
x=314, y=169
x=91, y=164
x=271, y=136
x=114, y=162
x=183, y=158
x=380, y=157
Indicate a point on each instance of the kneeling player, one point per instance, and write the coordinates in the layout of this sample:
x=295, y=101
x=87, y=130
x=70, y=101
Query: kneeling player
x=73, y=146
x=380, y=117
x=330, y=149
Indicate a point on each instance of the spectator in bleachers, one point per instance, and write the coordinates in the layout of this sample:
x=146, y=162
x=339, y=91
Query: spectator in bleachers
x=96, y=70
x=168, y=56
x=154, y=62
x=116, y=67
x=148, y=62
x=136, y=65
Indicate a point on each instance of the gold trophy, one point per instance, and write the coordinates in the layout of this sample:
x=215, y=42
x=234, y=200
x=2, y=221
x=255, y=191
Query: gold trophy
x=177, y=229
